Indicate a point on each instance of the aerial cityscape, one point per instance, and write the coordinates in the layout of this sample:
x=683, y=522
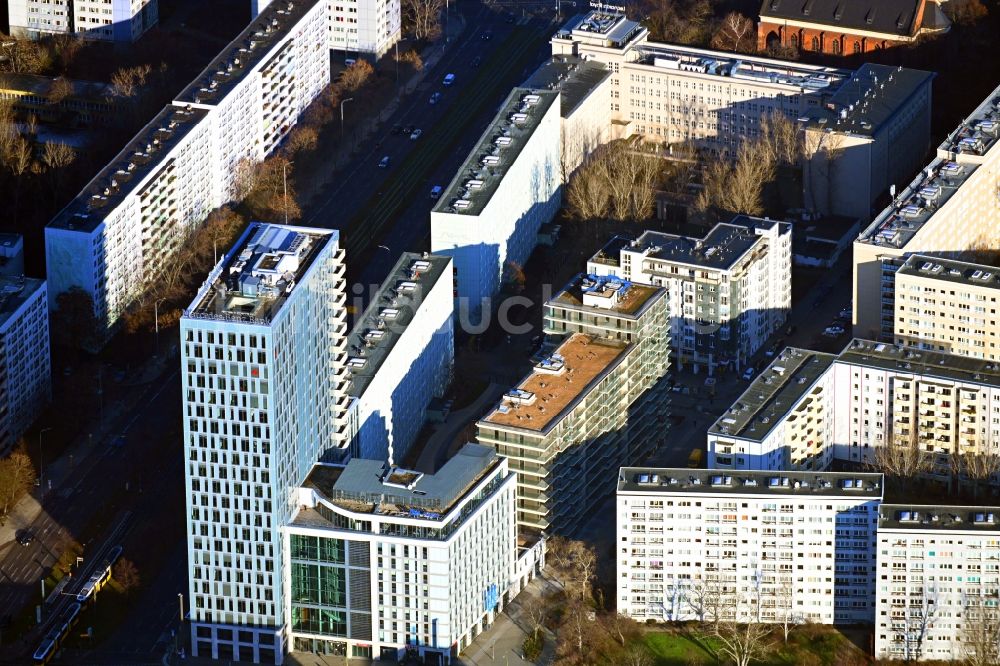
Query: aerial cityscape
x=479, y=332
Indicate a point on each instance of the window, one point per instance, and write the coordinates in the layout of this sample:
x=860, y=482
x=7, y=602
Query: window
x=815, y=43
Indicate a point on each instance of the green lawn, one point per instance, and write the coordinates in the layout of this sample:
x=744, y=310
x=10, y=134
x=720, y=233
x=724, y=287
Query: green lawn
x=816, y=646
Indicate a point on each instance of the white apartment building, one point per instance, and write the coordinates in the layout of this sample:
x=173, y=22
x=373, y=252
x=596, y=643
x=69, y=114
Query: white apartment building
x=103, y=20
x=25, y=366
x=947, y=305
x=369, y=27
x=712, y=100
x=727, y=292
x=385, y=562
x=488, y=217
x=950, y=208
x=400, y=356
x=120, y=231
x=808, y=409
x=938, y=581
x=264, y=389
x=771, y=546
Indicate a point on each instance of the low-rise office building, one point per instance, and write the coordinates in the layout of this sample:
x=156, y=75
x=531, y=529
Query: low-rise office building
x=948, y=210
x=25, y=364
x=728, y=291
x=938, y=580
x=488, y=217
x=385, y=562
x=947, y=305
x=400, y=356
x=82, y=104
x=568, y=423
x=772, y=546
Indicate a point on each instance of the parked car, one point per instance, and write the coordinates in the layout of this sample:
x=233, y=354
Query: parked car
x=448, y=79
x=435, y=97
x=415, y=134
x=25, y=537
x=833, y=331
x=408, y=129
x=487, y=36
x=384, y=162
x=748, y=374
x=846, y=313
x=436, y=191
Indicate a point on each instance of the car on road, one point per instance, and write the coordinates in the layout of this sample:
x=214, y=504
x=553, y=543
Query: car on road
x=680, y=389
x=487, y=36
x=415, y=134
x=477, y=61
x=846, y=313
x=436, y=191
x=448, y=79
x=834, y=331
x=396, y=130
x=384, y=162
x=25, y=537
x=408, y=129
x=435, y=97
x=748, y=373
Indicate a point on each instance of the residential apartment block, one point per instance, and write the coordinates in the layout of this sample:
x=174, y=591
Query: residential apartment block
x=119, y=233
x=774, y=546
x=947, y=305
x=842, y=28
x=949, y=209
x=103, y=20
x=386, y=562
x=25, y=365
x=938, y=580
x=488, y=217
x=369, y=27
x=713, y=100
x=727, y=292
x=582, y=411
x=808, y=409
x=400, y=356
x=265, y=396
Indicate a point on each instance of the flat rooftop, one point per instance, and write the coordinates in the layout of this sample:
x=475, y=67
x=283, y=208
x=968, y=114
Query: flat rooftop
x=610, y=254
x=932, y=517
x=864, y=102
x=612, y=28
x=498, y=148
x=41, y=86
x=721, y=248
x=603, y=293
x=245, y=52
x=950, y=270
x=259, y=273
x=388, y=315
x=682, y=480
x=373, y=486
x=940, y=365
x=143, y=155
x=958, y=158
x=14, y=291
x=558, y=382
x=572, y=77
x=791, y=375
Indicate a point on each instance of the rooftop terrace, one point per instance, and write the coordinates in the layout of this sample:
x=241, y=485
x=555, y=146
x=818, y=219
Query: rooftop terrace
x=375, y=487
x=791, y=375
x=949, y=270
x=720, y=249
x=498, y=148
x=245, y=52
x=392, y=309
x=252, y=282
x=556, y=383
x=924, y=517
x=951, y=367
x=142, y=156
x=958, y=157
x=780, y=484
x=607, y=293
x=572, y=77
x=14, y=291
x=867, y=99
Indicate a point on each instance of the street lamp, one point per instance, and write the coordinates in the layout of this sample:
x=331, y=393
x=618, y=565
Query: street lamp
x=284, y=172
x=342, y=103
x=156, y=325
x=41, y=459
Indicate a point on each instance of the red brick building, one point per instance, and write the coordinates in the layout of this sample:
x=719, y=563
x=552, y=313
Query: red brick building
x=844, y=27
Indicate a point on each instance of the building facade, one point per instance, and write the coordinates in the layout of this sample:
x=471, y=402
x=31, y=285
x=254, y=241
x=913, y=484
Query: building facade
x=264, y=394
x=400, y=356
x=773, y=547
x=727, y=292
x=111, y=21
x=488, y=217
x=369, y=27
x=386, y=562
x=842, y=28
x=25, y=365
x=949, y=210
x=937, y=587
x=947, y=305
x=118, y=234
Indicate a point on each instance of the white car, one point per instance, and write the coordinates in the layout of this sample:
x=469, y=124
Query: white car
x=448, y=79
x=748, y=374
x=833, y=331
x=435, y=98
x=416, y=134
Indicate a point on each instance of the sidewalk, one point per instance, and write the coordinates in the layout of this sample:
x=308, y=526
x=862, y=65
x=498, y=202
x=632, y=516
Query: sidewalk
x=62, y=474
x=503, y=642
x=439, y=445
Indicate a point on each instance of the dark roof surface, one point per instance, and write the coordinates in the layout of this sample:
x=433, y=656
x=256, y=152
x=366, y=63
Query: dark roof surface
x=895, y=17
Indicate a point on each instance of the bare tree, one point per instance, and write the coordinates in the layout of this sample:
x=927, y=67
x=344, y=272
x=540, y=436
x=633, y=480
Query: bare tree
x=786, y=606
x=61, y=89
x=621, y=626
x=16, y=475
x=423, y=17
x=128, y=80
x=57, y=155
x=966, y=12
x=744, y=642
x=738, y=187
x=537, y=610
x=638, y=655
x=572, y=563
x=19, y=159
x=23, y=56
x=704, y=599
x=736, y=32
x=617, y=181
x=781, y=138
x=901, y=457
x=302, y=138
x=356, y=75
x=980, y=635
x=127, y=575
x=977, y=467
